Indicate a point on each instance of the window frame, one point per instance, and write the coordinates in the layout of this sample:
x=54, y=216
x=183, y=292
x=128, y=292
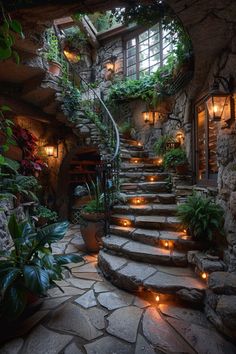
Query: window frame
x=135, y=35
x=207, y=181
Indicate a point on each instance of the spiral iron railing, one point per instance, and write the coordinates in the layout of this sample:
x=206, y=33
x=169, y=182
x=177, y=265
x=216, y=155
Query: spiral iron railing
x=109, y=145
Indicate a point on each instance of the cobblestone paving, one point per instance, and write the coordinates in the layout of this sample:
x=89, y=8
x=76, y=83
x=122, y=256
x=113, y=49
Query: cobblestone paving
x=94, y=317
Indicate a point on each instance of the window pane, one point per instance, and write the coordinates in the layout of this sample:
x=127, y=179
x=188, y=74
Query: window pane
x=143, y=46
x=144, y=64
x=154, y=68
x=131, y=70
x=131, y=61
x=131, y=43
x=154, y=59
x=154, y=30
x=166, y=41
x=166, y=51
x=131, y=52
x=154, y=49
x=154, y=39
x=143, y=36
x=143, y=55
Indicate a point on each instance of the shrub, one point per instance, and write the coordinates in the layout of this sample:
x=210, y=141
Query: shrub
x=175, y=157
x=201, y=216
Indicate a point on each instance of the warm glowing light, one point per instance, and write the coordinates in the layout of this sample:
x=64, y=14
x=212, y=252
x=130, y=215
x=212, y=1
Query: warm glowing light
x=139, y=144
x=137, y=201
x=185, y=231
x=135, y=161
x=204, y=275
x=74, y=58
x=125, y=222
x=49, y=149
x=152, y=179
x=160, y=161
x=166, y=244
x=157, y=298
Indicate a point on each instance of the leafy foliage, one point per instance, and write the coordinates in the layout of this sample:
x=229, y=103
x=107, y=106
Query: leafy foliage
x=175, y=157
x=52, y=52
x=27, y=186
x=30, y=267
x=161, y=145
x=9, y=27
x=201, y=216
x=46, y=213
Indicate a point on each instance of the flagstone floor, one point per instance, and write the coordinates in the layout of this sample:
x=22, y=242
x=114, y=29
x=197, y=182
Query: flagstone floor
x=94, y=317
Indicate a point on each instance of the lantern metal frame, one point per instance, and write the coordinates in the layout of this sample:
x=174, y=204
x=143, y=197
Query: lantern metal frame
x=226, y=95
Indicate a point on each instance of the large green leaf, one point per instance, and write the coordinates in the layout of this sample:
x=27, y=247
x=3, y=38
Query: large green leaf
x=68, y=258
x=14, y=301
x=14, y=228
x=52, y=233
x=16, y=26
x=9, y=278
x=36, y=279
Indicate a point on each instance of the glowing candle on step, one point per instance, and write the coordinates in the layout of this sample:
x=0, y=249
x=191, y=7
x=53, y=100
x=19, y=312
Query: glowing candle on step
x=157, y=298
x=151, y=179
x=166, y=244
x=135, y=161
x=204, y=276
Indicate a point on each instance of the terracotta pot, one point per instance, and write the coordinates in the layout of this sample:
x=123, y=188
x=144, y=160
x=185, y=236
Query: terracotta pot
x=54, y=68
x=92, y=230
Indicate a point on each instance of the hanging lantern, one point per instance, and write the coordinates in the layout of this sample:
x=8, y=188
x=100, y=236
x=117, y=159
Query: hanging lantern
x=220, y=104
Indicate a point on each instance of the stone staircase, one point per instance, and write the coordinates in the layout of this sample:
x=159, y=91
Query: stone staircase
x=146, y=249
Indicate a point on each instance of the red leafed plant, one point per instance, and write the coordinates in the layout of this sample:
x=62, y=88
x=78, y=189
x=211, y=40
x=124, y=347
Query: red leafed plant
x=31, y=163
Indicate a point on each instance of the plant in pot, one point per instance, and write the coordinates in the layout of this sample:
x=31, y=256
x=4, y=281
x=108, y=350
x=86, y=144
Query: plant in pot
x=44, y=215
x=163, y=144
x=92, y=218
x=176, y=160
x=29, y=269
x=52, y=53
x=202, y=218
x=127, y=130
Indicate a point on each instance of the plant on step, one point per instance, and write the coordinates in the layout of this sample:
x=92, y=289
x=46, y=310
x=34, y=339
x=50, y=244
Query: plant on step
x=174, y=158
x=51, y=53
x=201, y=216
x=96, y=203
x=126, y=129
x=29, y=268
x=162, y=145
x=44, y=214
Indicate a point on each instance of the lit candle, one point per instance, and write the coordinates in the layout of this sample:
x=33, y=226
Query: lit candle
x=135, y=161
x=157, y=298
x=152, y=179
x=166, y=244
x=204, y=275
x=125, y=223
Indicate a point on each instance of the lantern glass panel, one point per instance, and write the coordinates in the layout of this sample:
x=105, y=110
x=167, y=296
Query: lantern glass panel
x=218, y=107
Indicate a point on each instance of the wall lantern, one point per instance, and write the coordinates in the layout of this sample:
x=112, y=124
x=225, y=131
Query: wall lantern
x=71, y=56
x=111, y=64
x=150, y=116
x=221, y=104
x=51, y=151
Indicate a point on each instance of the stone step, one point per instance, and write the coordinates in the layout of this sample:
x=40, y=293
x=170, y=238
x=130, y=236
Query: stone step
x=148, y=222
x=163, y=198
x=179, y=283
x=150, y=167
x=143, y=176
x=205, y=263
x=146, y=209
x=130, y=142
x=143, y=252
x=145, y=186
x=127, y=153
x=161, y=238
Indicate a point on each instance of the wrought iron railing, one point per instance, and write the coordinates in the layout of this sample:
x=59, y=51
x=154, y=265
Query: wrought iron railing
x=98, y=113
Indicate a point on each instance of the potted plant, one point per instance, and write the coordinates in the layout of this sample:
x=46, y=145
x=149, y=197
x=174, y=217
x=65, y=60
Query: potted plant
x=44, y=215
x=92, y=218
x=52, y=54
x=202, y=217
x=163, y=144
x=29, y=269
x=176, y=160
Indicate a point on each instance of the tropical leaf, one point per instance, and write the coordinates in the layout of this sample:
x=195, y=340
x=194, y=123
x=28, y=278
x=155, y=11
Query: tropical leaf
x=68, y=258
x=9, y=278
x=36, y=279
x=14, y=301
x=52, y=233
x=14, y=227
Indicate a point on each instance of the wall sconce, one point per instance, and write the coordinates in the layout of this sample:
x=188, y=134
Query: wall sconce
x=111, y=64
x=221, y=104
x=51, y=151
x=150, y=116
x=179, y=137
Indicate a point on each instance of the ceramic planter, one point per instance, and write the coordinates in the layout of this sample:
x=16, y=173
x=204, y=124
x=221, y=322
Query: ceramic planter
x=92, y=230
x=54, y=68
